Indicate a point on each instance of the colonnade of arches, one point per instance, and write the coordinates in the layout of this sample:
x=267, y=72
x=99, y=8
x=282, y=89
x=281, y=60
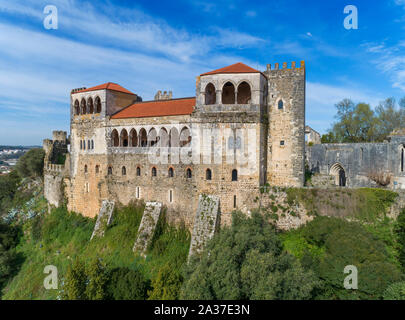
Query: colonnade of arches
x=151, y=138
x=88, y=106
x=242, y=94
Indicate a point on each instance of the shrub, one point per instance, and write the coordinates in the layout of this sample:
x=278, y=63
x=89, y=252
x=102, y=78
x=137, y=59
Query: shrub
x=74, y=287
x=400, y=231
x=167, y=284
x=348, y=243
x=395, y=291
x=246, y=261
x=126, y=284
x=97, y=278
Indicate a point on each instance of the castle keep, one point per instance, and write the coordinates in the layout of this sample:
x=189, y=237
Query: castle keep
x=244, y=128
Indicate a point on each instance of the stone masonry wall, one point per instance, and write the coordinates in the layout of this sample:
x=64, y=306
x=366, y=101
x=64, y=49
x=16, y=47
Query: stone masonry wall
x=286, y=134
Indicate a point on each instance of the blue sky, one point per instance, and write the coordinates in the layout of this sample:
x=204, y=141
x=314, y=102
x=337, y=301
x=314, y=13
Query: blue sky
x=148, y=45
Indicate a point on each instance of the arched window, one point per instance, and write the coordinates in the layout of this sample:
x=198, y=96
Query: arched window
x=92, y=144
x=115, y=140
x=88, y=145
x=185, y=137
x=208, y=174
x=189, y=174
x=244, y=93
x=81, y=145
x=143, y=138
x=171, y=173
x=138, y=171
x=280, y=104
x=228, y=93
x=210, y=94
x=83, y=106
x=90, y=105
x=403, y=159
x=234, y=175
x=124, y=171
x=133, y=138
x=163, y=138
x=85, y=168
x=109, y=171
x=124, y=138
x=154, y=172
x=152, y=137
x=174, y=138
x=97, y=103
x=77, y=107
x=97, y=168
x=84, y=144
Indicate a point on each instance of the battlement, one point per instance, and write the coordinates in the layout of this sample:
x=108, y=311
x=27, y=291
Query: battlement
x=77, y=90
x=55, y=168
x=284, y=66
x=59, y=136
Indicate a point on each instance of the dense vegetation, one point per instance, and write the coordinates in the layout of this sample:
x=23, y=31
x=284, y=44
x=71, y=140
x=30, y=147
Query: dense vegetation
x=360, y=123
x=247, y=261
x=250, y=259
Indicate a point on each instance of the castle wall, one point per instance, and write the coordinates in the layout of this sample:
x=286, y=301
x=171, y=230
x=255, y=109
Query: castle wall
x=360, y=161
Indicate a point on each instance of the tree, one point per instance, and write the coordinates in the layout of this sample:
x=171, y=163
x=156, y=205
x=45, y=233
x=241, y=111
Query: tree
x=97, y=278
x=356, y=123
x=74, y=287
x=167, y=284
x=31, y=164
x=348, y=243
x=9, y=237
x=247, y=261
x=126, y=284
x=388, y=118
x=359, y=123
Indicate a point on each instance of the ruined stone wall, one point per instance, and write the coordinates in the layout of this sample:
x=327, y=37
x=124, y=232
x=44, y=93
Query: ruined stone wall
x=360, y=162
x=286, y=133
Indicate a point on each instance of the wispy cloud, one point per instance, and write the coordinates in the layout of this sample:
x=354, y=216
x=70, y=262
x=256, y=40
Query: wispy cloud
x=390, y=60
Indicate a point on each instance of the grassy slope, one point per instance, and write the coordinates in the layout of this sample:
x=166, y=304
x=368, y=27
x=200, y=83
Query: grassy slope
x=59, y=237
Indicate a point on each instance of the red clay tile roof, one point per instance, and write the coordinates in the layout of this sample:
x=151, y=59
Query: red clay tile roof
x=157, y=108
x=108, y=86
x=234, y=68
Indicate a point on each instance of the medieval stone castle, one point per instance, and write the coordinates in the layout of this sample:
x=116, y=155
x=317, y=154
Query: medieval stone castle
x=244, y=129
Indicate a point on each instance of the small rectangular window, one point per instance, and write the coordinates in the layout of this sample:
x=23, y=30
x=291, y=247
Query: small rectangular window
x=170, y=196
x=282, y=143
x=234, y=202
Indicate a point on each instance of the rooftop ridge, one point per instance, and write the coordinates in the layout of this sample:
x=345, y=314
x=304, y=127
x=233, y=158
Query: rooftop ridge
x=238, y=67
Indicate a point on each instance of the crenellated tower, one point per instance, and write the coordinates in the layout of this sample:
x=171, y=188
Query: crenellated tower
x=286, y=131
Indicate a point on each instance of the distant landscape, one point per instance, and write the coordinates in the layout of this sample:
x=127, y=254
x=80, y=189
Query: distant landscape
x=9, y=156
